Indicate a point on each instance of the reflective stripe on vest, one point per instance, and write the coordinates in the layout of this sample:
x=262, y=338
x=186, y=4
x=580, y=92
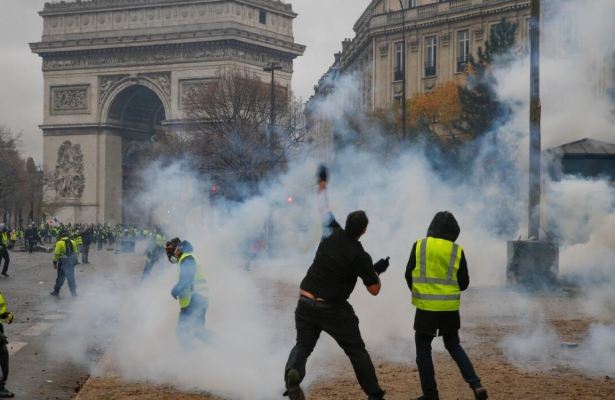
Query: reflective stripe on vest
x=199, y=285
x=434, y=282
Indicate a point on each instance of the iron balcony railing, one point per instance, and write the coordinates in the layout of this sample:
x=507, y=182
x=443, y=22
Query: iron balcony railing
x=430, y=70
x=462, y=63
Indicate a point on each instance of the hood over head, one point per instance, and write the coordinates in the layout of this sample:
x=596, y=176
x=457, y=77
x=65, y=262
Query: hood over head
x=444, y=226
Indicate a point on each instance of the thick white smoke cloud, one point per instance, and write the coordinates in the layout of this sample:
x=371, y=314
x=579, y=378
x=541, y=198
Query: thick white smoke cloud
x=252, y=294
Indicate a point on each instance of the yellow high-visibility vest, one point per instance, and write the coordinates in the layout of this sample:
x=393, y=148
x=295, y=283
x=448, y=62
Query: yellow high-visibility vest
x=3, y=308
x=5, y=239
x=434, y=279
x=199, y=285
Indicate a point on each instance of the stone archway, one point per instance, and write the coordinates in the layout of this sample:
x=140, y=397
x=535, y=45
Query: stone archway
x=138, y=113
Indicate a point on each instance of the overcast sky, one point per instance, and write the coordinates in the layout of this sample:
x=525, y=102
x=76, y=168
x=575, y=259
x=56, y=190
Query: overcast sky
x=321, y=26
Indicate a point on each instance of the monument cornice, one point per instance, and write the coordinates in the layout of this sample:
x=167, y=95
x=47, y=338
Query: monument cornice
x=164, y=54
x=67, y=7
x=42, y=48
x=90, y=129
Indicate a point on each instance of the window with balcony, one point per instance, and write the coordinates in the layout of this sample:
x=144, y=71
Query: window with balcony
x=463, y=50
x=399, y=64
x=431, y=51
x=262, y=17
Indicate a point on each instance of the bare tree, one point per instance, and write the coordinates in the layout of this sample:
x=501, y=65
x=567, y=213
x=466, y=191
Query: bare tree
x=21, y=182
x=231, y=135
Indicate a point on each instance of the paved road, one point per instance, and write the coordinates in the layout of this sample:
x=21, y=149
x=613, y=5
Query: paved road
x=35, y=372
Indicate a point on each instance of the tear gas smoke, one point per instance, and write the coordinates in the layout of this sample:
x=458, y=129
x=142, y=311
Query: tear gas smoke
x=252, y=319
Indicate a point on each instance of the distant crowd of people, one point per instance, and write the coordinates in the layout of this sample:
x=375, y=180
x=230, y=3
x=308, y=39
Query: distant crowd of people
x=99, y=234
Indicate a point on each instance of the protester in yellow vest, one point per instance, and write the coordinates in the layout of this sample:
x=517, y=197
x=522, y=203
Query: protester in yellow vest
x=64, y=261
x=7, y=317
x=437, y=273
x=13, y=239
x=4, y=249
x=190, y=291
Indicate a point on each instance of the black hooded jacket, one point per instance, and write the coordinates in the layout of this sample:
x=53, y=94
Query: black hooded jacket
x=443, y=226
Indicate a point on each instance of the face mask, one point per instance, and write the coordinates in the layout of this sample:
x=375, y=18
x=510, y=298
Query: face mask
x=174, y=259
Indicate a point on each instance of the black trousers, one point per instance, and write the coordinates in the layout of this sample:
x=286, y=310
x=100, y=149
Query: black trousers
x=4, y=254
x=424, y=362
x=31, y=244
x=85, y=253
x=342, y=324
x=4, y=360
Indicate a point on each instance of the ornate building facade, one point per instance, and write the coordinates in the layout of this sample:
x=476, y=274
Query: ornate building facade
x=439, y=36
x=116, y=71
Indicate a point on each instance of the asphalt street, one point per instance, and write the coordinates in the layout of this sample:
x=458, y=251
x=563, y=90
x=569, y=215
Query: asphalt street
x=35, y=373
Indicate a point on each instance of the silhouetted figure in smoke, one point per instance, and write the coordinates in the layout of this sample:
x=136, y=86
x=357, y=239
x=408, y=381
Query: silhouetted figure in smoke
x=190, y=291
x=323, y=302
x=154, y=251
x=437, y=273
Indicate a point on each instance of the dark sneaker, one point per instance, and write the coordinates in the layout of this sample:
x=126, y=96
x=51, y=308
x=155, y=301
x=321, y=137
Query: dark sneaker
x=4, y=274
x=55, y=294
x=293, y=390
x=6, y=394
x=480, y=393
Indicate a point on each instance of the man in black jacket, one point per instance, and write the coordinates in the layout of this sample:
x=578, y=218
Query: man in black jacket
x=437, y=298
x=323, y=302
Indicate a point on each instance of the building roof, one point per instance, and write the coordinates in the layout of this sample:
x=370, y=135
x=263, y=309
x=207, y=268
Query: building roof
x=586, y=147
x=80, y=5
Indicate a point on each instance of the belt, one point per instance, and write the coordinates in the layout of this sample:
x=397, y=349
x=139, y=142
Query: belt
x=308, y=295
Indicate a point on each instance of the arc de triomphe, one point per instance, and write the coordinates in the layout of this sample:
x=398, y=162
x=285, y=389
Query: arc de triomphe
x=116, y=71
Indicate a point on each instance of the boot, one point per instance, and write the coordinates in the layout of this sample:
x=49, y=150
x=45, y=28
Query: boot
x=423, y=397
x=480, y=393
x=293, y=390
x=6, y=394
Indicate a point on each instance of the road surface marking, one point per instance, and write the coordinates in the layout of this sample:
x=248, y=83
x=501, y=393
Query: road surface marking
x=54, y=317
x=36, y=329
x=14, y=347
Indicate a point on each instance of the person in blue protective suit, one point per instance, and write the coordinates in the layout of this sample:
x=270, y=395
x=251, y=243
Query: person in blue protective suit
x=190, y=291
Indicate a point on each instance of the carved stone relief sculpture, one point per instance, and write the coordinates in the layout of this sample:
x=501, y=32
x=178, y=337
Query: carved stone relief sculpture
x=106, y=83
x=162, y=80
x=189, y=88
x=69, y=179
x=70, y=99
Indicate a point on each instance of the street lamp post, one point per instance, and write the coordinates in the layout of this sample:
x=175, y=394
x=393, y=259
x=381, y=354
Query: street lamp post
x=534, y=263
x=272, y=67
x=404, y=107
x=535, y=116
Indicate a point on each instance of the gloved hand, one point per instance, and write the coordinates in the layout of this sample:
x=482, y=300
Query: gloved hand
x=7, y=317
x=381, y=266
x=3, y=340
x=175, y=292
x=55, y=265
